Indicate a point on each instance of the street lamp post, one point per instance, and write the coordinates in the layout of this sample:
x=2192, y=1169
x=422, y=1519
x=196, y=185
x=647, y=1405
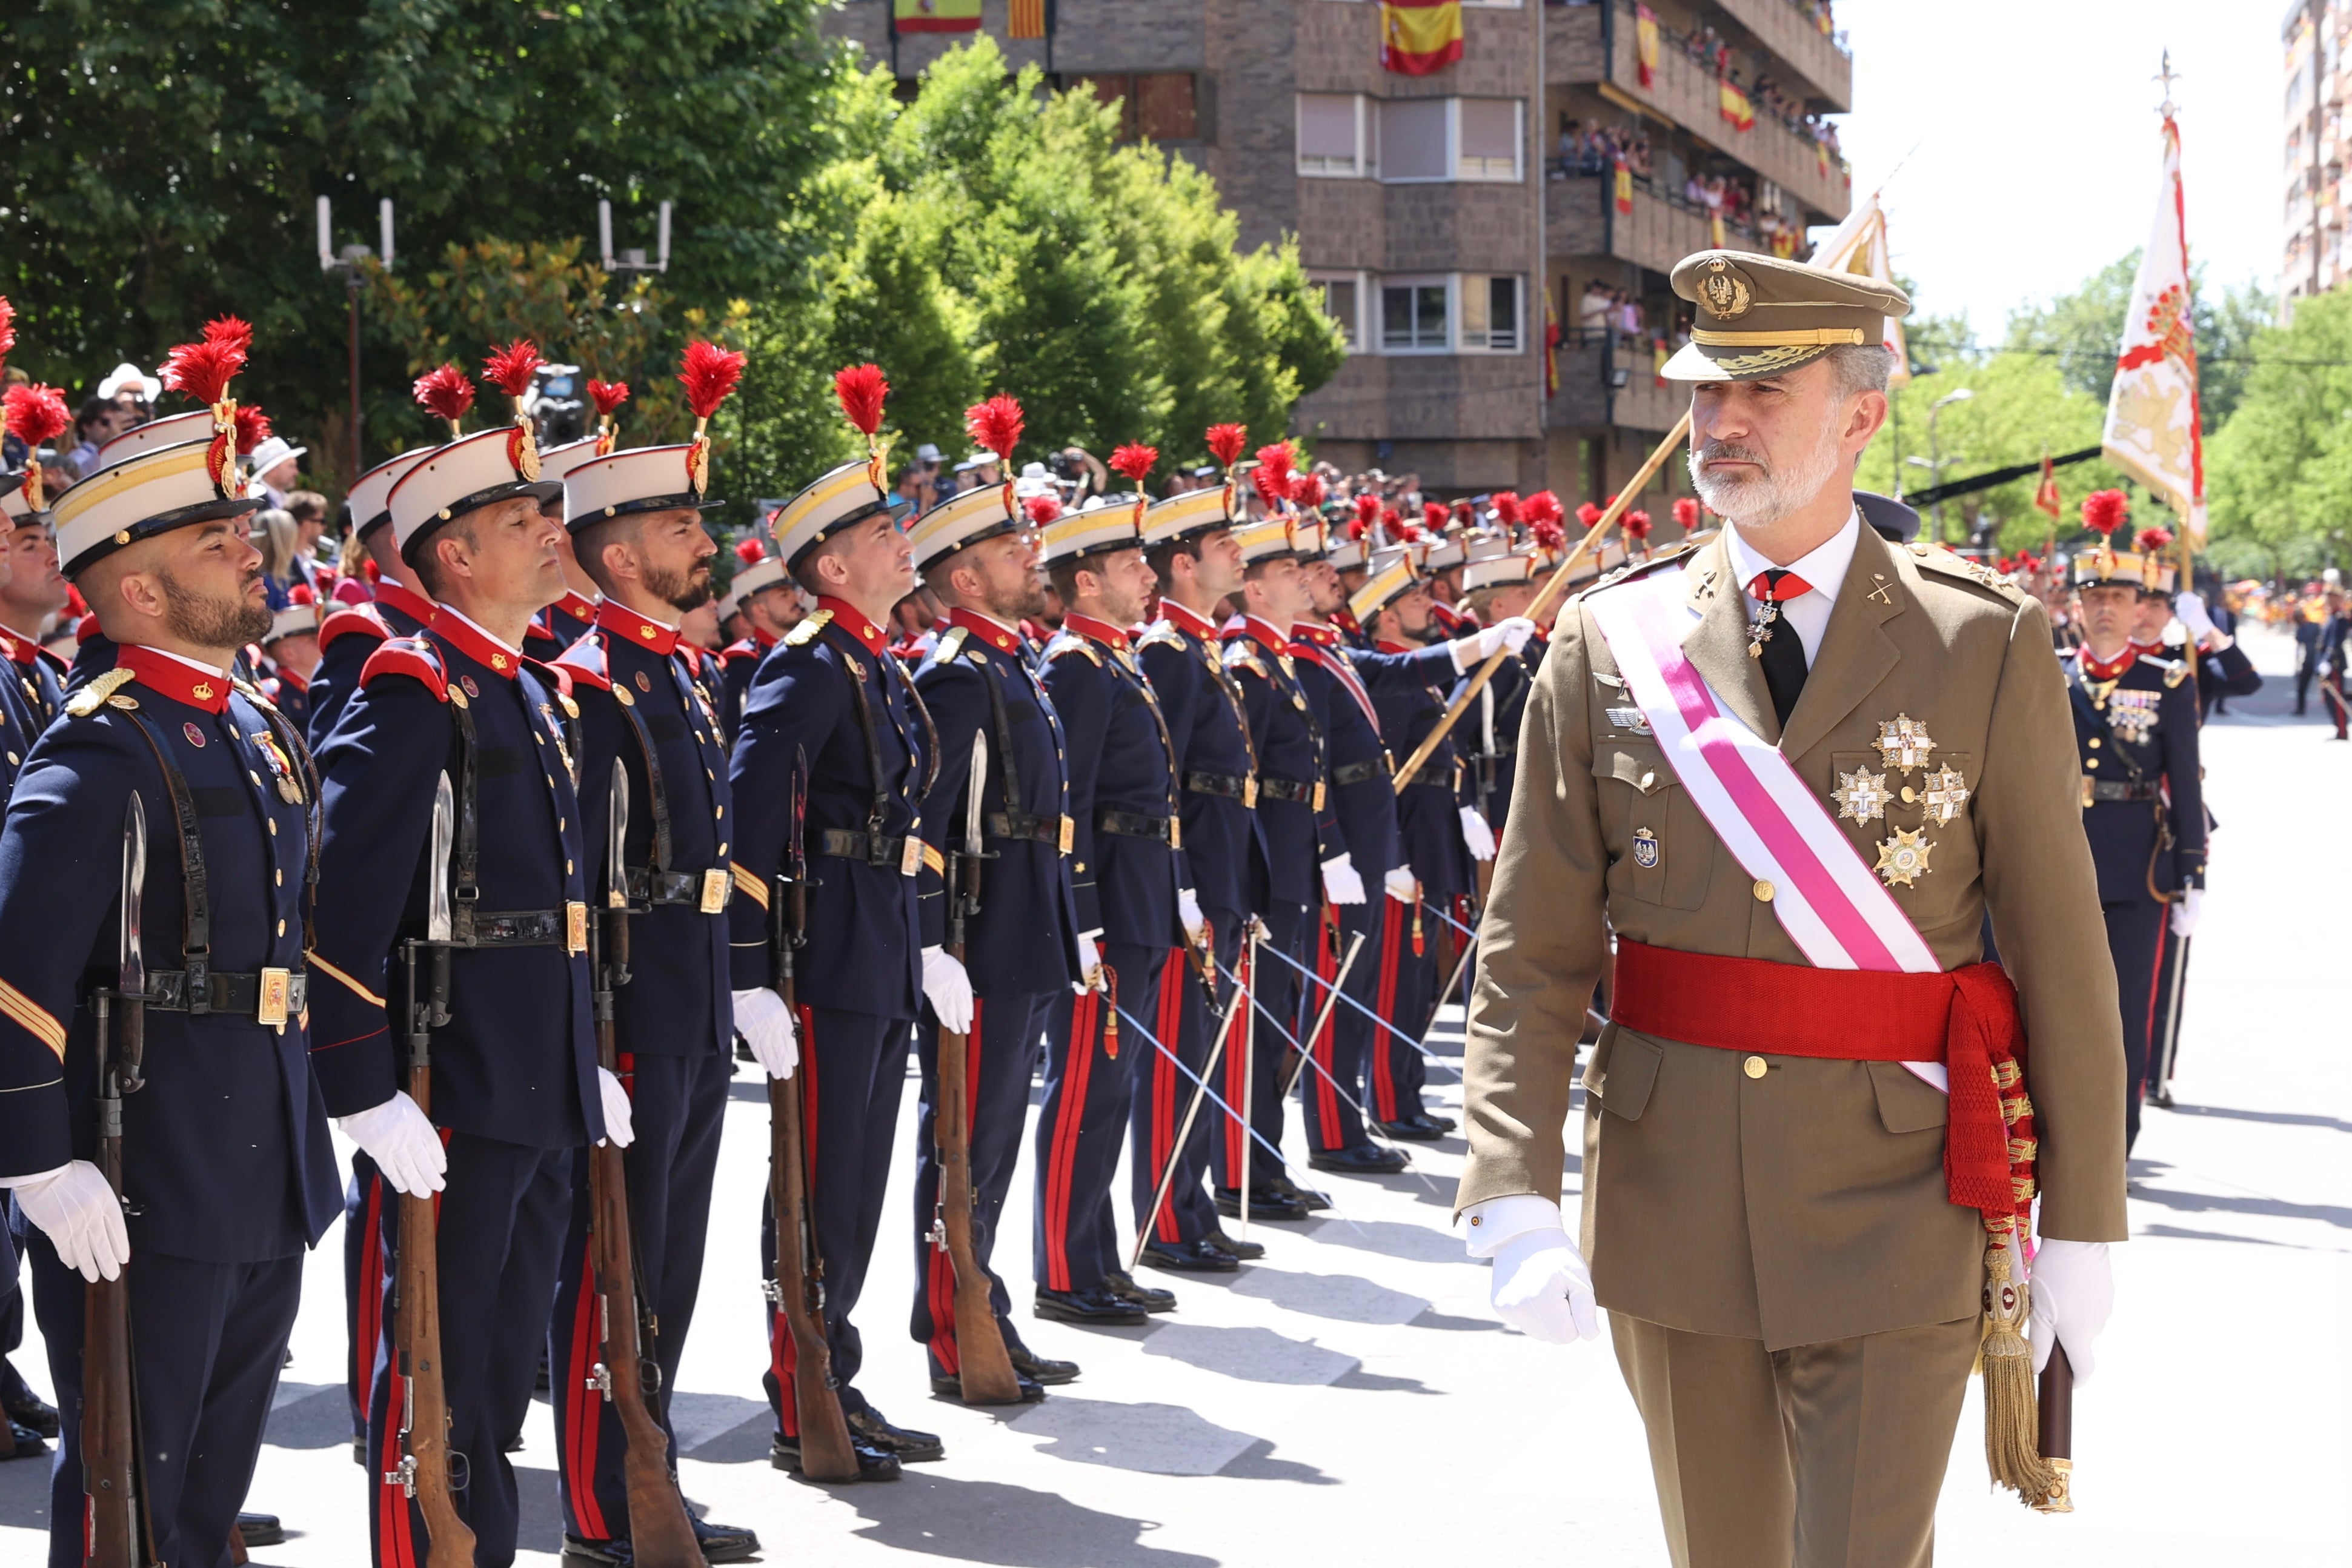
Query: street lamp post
x=1935, y=455
x=351, y=261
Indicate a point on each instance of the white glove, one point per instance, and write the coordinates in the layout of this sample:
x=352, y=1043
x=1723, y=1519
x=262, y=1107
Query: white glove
x=2074, y=1290
x=404, y=1143
x=80, y=1216
x=1342, y=884
x=1187, y=909
x=1401, y=884
x=1542, y=1288
x=1511, y=633
x=620, y=1131
x=2186, y=912
x=766, y=1026
x=2191, y=608
x=946, y=988
x=1476, y=834
x=1090, y=965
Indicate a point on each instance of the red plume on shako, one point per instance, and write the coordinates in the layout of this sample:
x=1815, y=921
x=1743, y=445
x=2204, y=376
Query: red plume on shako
x=36, y=415
x=1226, y=444
x=510, y=370
x=1135, y=460
x=607, y=395
x=861, y=389
x=710, y=375
x=446, y=393
x=202, y=371
x=1271, y=478
x=995, y=427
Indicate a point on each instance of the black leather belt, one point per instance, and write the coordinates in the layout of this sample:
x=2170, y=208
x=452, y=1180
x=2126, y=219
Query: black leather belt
x=1135, y=825
x=707, y=892
x=1051, y=830
x=529, y=928
x=1233, y=787
x=1379, y=767
x=2104, y=789
x=1288, y=789
x=905, y=854
x=271, y=996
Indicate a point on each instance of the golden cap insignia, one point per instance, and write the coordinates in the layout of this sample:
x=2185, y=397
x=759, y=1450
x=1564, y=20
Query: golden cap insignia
x=1726, y=291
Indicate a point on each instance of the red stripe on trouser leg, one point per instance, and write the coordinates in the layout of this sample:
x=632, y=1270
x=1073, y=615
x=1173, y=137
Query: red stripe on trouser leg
x=395, y=1545
x=2155, y=985
x=1237, y=1051
x=1068, y=1118
x=369, y=1326
x=1327, y=968
x=1172, y=977
x=1384, y=1094
x=586, y=1405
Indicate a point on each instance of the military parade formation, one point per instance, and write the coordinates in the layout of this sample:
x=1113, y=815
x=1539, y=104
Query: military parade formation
x=1863, y=888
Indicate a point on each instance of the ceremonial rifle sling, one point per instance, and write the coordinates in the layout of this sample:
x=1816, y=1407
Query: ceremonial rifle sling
x=876, y=845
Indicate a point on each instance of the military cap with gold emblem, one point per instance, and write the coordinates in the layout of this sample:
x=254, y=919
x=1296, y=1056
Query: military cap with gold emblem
x=1758, y=315
x=34, y=415
x=472, y=471
x=655, y=478
x=2144, y=568
x=1387, y=577
x=1103, y=524
x=371, y=498
x=843, y=496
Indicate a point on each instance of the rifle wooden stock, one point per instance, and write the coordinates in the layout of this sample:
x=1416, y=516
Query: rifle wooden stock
x=984, y=1366
x=1554, y=590
x=416, y=1322
x=660, y=1534
x=109, y=1442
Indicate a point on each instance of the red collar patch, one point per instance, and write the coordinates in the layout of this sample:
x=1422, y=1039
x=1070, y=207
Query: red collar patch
x=1262, y=632
x=416, y=606
x=986, y=630
x=628, y=627
x=174, y=678
x=1184, y=618
x=2100, y=672
x=1102, y=632
x=19, y=649
x=1311, y=632
x=452, y=629
x=851, y=619
x=578, y=606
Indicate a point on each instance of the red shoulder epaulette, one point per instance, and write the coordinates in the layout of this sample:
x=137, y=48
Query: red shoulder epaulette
x=362, y=619
x=413, y=656
x=741, y=650
x=539, y=628
x=583, y=664
x=557, y=673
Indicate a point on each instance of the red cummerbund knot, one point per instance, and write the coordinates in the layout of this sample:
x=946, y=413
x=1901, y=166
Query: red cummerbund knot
x=1966, y=1018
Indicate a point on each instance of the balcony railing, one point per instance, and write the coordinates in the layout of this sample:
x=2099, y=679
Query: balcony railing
x=1608, y=379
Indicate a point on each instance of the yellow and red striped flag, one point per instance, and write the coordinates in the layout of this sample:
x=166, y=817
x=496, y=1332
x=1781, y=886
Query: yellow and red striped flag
x=1418, y=36
x=1552, y=346
x=1026, y=19
x=935, y=16
x=2045, y=495
x=1733, y=105
x=1625, y=187
x=1645, y=44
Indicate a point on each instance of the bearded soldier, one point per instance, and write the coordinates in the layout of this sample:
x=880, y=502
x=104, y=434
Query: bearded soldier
x=1792, y=768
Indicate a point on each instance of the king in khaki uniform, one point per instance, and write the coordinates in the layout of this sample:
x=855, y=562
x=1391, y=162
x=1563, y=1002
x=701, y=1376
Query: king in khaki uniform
x=1792, y=768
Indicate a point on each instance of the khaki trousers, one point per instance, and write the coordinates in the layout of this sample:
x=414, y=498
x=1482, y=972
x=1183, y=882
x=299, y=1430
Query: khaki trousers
x=1825, y=1455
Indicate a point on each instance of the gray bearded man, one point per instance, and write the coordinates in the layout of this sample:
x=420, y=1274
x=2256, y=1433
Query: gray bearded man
x=1790, y=770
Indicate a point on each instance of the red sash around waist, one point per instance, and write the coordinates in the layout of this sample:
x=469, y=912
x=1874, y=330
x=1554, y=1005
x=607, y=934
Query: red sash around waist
x=1966, y=1018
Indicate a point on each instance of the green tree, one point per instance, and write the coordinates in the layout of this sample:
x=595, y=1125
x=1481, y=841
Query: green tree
x=2083, y=332
x=2279, y=475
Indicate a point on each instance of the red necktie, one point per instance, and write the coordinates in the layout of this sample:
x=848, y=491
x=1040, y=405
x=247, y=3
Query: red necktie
x=1778, y=587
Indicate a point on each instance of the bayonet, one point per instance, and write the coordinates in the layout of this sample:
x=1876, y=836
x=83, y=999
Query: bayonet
x=130, y=1046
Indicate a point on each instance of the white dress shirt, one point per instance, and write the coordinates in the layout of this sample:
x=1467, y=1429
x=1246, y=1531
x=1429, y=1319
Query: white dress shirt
x=1823, y=569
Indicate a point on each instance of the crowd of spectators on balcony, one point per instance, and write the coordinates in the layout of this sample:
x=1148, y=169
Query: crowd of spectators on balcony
x=1595, y=149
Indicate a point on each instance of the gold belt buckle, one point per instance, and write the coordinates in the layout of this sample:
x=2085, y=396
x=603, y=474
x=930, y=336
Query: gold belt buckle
x=911, y=856
x=277, y=994
x=576, y=926
x=2087, y=795
x=1249, y=791
x=1318, y=807
x=1175, y=832
x=1069, y=832
x=716, y=887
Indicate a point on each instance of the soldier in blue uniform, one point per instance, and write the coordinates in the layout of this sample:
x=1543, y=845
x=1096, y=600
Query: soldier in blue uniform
x=767, y=603
x=516, y=1088
x=1021, y=942
x=570, y=618
x=1127, y=866
x=2143, y=800
x=400, y=608
x=1189, y=545
x=635, y=519
x=830, y=719
x=228, y=1171
x=291, y=646
x=1500, y=583
x=33, y=590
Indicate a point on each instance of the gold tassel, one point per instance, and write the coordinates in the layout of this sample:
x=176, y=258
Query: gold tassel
x=2012, y=1441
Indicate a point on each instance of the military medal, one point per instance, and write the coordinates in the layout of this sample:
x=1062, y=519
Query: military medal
x=1946, y=796
x=1861, y=795
x=1645, y=849
x=1903, y=859
x=1759, y=630
x=1902, y=744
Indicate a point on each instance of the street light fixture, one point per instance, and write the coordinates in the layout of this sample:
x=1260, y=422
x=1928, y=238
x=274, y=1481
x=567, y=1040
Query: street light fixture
x=632, y=260
x=351, y=262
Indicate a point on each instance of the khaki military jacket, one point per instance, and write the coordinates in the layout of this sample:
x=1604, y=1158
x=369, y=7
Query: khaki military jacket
x=1807, y=1204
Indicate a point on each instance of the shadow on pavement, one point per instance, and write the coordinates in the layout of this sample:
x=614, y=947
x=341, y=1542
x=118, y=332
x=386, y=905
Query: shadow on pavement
x=2275, y=1118
x=2216, y=1203
x=1259, y=1465
x=24, y=1492
x=1436, y=1319
x=1251, y=1354
x=988, y=1522
x=1348, y=1297
x=2182, y=1232
x=1157, y=1440
x=1392, y=1238
x=310, y=1415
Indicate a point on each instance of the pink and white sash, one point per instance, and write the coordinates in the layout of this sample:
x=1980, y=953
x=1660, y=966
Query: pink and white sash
x=1830, y=903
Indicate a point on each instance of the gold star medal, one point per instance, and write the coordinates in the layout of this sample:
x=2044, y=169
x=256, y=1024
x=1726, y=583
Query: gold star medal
x=1902, y=744
x=1861, y=795
x=1947, y=795
x=1903, y=859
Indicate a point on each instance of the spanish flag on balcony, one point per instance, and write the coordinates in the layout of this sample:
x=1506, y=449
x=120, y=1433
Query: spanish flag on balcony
x=1735, y=107
x=1645, y=44
x=1551, y=347
x=1417, y=37
x=1625, y=187
x=935, y=16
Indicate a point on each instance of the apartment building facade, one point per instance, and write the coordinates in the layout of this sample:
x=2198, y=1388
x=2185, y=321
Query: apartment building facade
x=1439, y=214
x=2314, y=37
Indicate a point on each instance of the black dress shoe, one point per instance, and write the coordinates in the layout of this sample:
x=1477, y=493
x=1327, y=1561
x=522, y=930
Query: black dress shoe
x=1265, y=1202
x=913, y=1447
x=1361, y=1160
x=723, y=1542
x=873, y=1464
x=28, y=1442
x=2161, y=1099
x=1307, y=1195
x=1038, y=1369
x=1442, y=1124
x=1419, y=1129
x=1246, y=1251
x=949, y=1387
x=1150, y=1298
x=358, y=1452
x=27, y=1408
x=260, y=1529
x=1201, y=1256
x=579, y=1551
x=1093, y=1305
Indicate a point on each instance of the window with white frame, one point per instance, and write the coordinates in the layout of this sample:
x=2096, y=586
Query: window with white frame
x=1432, y=138
x=1415, y=316
x=1341, y=295
x=1335, y=134
x=1490, y=314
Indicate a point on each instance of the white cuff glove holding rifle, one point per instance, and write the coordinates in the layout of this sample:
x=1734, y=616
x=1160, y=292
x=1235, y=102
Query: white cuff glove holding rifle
x=1187, y=909
x=1541, y=1286
x=619, y=1131
x=2074, y=1292
x=404, y=1143
x=1511, y=633
x=1342, y=884
x=80, y=1216
x=1477, y=834
x=1401, y=884
x=948, y=989
x=766, y=1026
x=2185, y=912
x=1089, y=964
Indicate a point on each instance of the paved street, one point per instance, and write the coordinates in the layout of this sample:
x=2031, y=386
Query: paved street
x=1351, y=1398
